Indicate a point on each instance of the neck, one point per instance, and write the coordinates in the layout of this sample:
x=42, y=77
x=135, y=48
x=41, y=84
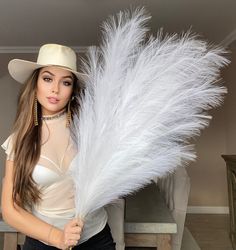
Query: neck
x=54, y=116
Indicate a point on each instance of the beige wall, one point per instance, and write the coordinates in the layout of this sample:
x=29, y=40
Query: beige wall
x=230, y=107
x=9, y=90
x=8, y=97
x=208, y=175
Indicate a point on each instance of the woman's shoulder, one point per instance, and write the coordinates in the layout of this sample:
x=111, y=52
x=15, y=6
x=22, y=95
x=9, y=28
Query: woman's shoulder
x=8, y=141
x=8, y=146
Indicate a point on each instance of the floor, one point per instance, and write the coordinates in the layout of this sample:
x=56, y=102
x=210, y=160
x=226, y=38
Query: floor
x=211, y=232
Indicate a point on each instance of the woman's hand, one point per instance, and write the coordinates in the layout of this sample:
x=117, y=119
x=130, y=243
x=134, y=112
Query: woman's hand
x=71, y=234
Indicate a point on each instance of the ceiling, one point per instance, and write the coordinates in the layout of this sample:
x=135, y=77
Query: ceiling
x=31, y=23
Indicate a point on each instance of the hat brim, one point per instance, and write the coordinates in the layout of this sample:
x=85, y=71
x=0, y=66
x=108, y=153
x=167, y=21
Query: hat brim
x=21, y=70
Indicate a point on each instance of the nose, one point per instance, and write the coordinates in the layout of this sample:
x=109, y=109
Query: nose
x=55, y=87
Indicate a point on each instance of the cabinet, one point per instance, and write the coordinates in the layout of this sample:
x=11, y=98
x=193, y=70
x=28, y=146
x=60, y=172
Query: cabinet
x=231, y=178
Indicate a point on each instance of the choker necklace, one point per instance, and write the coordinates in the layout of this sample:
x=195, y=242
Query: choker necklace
x=53, y=117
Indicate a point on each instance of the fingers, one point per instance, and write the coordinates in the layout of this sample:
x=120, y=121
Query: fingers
x=70, y=243
x=80, y=222
x=77, y=222
x=74, y=227
x=75, y=230
x=72, y=232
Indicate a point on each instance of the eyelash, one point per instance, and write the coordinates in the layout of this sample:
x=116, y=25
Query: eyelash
x=48, y=79
x=67, y=83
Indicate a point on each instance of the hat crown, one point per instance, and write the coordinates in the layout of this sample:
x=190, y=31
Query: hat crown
x=55, y=54
x=49, y=55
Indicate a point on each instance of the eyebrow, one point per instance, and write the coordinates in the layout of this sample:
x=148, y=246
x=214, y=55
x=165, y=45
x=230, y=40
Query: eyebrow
x=50, y=73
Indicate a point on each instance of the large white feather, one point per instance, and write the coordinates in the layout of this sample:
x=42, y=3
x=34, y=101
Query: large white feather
x=144, y=100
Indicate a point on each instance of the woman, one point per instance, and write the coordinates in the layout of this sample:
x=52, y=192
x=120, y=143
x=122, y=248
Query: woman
x=37, y=193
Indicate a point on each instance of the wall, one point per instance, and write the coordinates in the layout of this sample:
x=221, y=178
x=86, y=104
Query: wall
x=9, y=90
x=208, y=173
x=8, y=97
x=230, y=110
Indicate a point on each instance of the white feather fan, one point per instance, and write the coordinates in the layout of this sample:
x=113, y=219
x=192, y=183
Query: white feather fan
x=144, y=100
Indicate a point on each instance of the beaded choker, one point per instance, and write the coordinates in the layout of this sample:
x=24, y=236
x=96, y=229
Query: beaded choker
x=53, y=117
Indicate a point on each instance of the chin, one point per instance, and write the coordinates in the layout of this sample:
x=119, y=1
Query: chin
x=51, y=111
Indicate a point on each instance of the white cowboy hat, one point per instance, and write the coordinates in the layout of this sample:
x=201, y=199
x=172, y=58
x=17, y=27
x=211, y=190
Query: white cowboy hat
x=49, y=55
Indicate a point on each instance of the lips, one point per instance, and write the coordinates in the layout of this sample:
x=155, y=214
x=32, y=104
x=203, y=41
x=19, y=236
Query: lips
x=53, y=100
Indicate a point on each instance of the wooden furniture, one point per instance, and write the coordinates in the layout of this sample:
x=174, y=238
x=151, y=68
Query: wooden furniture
x=148, y=222
x=11, y=237
x=231, y=178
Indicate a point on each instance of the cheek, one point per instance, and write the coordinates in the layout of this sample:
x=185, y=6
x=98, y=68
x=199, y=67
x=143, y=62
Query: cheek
x=41, y=90
x=66, y=94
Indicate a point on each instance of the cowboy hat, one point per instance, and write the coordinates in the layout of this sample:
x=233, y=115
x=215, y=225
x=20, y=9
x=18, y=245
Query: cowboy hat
x=49, y=55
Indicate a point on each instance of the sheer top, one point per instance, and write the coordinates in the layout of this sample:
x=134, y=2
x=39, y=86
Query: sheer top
x=53, y=176
x=58, y=148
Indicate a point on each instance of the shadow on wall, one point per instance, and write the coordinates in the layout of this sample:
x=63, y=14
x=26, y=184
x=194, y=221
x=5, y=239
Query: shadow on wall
x=230, y=102
x=9, y=90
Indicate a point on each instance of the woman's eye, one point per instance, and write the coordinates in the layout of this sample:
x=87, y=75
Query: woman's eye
x=67, y=83
x=47, y=79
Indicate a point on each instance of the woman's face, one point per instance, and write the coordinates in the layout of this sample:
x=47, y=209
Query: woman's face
x=54, y=89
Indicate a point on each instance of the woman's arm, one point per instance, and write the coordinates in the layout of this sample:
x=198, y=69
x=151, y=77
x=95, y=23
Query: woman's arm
x=30, y=225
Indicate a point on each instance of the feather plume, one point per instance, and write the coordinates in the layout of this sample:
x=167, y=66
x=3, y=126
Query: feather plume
x=145, y=98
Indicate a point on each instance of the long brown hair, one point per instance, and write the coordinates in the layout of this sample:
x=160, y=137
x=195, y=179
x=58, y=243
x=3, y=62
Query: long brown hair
x=27, y=142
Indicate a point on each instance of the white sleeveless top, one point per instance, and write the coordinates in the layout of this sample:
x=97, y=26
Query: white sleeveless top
x=53, y=176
